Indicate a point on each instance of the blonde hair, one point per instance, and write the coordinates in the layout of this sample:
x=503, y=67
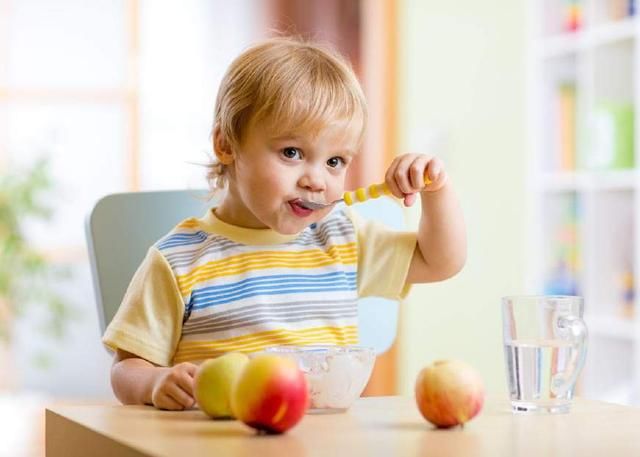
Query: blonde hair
x=289, y=84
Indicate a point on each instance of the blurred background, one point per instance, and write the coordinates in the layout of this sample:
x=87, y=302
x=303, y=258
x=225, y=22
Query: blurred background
x=530, y=103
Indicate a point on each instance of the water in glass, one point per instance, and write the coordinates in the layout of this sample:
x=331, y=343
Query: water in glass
x=535, y=370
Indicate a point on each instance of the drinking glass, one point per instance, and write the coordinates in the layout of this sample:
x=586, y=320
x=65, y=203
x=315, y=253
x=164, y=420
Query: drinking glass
x=545, y=346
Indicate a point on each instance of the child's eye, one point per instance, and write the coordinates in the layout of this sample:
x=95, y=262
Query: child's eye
x=291, y=153
x=335, y=162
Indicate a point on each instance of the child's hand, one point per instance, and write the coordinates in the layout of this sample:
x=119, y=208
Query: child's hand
x=174, y=387
x=408, y=173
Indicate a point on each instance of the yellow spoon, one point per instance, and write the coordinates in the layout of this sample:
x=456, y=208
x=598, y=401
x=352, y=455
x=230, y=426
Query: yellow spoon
x=361, y=194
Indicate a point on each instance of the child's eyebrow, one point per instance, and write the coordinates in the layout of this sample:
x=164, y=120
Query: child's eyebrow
x=288, y=138
x=346, y=152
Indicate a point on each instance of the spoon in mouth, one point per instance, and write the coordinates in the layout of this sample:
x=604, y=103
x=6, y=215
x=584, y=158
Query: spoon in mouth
x=317, y=205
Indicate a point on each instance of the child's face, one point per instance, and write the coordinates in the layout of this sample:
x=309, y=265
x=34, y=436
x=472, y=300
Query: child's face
x=271, y=173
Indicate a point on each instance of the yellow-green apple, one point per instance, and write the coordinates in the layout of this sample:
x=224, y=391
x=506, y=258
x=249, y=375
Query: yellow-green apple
x=271, y=394
x=214, y=381
x=449, y=393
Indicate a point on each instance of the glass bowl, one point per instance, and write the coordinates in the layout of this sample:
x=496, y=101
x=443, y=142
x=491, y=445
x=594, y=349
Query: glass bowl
x=336, y=375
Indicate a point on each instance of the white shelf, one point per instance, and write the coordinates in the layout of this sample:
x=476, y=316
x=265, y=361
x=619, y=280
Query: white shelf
x=590, y=180
x=612, y=32
x=597, y=233
x=571, y=43
x=611, y=327
x=561, y=45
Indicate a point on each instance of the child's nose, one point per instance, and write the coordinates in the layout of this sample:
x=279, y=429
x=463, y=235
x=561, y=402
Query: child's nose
x=312, y=181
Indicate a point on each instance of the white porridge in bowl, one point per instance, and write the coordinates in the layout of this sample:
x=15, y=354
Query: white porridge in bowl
x=336, y=375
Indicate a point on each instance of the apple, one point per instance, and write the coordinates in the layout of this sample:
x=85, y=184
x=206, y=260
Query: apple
x=449, y=393
x=214, y=382
x=271, y=394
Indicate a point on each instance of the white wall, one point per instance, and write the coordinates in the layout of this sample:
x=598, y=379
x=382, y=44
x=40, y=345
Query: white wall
x=462, y=97
x=462, y=93
x=66, y=48
x=186, y=48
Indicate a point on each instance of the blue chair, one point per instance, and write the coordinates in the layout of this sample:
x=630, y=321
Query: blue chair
x=121, y=227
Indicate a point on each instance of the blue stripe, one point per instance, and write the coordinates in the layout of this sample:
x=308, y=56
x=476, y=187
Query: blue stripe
x=306, y=290
x=274, y=279
x=213, y=296
x=182, y=239
x=265, y=283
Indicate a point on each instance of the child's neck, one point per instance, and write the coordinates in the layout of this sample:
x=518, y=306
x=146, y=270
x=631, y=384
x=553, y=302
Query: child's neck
x=231, y=216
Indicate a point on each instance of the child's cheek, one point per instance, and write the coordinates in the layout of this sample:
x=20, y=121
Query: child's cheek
x=336, y=188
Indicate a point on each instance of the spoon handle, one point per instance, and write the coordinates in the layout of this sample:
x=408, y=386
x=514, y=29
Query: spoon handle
x=362, y=194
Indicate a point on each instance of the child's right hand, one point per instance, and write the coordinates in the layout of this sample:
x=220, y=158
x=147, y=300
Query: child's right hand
x=173, y=388
x=406, y=176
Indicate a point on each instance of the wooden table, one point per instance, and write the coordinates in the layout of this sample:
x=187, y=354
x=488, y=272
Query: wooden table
x=385, y=426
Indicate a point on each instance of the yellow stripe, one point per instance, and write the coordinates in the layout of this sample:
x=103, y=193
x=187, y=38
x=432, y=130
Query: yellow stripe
x=303, y=256
x=345, y=254
x=252, y=337
x=207, y=353
x=208, y=273
x=311, y=254
x=189, y=223
x=263, y=343
x=185, y=349
x=199, y=350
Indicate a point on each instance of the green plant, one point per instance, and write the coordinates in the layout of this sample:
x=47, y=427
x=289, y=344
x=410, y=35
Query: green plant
x=27, y=279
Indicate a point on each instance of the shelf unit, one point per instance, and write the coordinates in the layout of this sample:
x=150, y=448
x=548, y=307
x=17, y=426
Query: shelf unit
x=583, y=178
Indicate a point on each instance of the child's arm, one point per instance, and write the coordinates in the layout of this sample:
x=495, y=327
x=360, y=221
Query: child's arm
x=442, y=246
x=136, y=381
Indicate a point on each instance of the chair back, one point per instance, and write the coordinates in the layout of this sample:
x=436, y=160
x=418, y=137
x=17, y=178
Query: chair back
x=121, y=227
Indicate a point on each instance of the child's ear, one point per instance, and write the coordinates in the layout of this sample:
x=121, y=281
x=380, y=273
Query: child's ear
x=222, y=148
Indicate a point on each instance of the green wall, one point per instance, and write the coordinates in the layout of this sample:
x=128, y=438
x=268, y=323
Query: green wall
x=462, y=97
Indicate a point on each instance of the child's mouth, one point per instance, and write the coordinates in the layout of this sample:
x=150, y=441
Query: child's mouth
x=299, y=209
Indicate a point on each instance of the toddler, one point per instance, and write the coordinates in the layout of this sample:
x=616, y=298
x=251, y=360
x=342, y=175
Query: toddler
x=261, y=268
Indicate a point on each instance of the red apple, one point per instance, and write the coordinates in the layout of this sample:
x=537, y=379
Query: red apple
x=449, y=393
x=271, y=394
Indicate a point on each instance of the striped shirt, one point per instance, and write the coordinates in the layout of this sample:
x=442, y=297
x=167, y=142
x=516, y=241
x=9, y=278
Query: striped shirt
x=208, y=287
